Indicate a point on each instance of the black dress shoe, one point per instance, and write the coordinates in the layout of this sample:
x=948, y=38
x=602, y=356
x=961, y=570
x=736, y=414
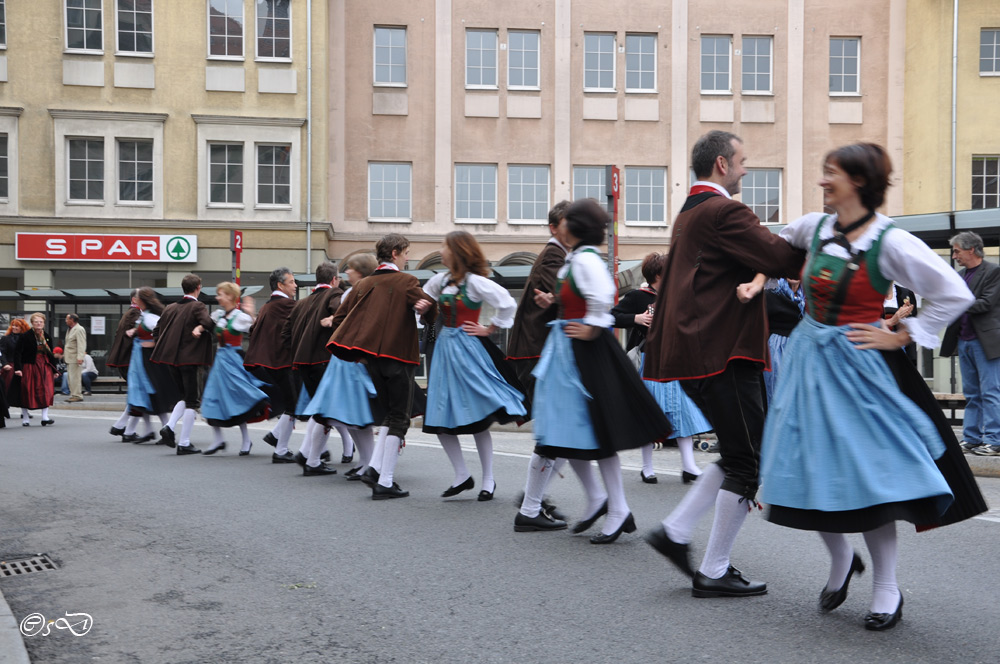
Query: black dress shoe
x=115, y=431
x=547, y=505
x=455, y=490
x=130, y=438
x=167, y=436
x=485, y=495
x=146, y=438
x=648, y=479
x=213, y=450
x=346, y=459
x=627, y=526
x=878, y=622
x=246, y=452
x=325, y=456
x=370, y=476
x=354, y=474
x=731, y=584
x=380, y=492
x=321, y=469
x=300, y=459
x=270, y=439
x=48, y=423
x=581, y=526
x=677, y=553
x=527, y=524
x=187, y=449
x=831, y=599
x=687, y=477
x=287, y=457
x=25, y=424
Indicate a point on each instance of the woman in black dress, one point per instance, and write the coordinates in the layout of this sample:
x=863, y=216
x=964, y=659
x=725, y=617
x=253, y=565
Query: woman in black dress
x=35, y=364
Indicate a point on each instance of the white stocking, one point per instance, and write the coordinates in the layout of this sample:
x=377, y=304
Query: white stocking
x=685, y=446
x=284, y=433
x=680, y=523
x=611, y=473
x=596, y=495
x=187, y=423
x=731, y=511
x=390, y=453
x=45, y=414
x=133, y=423
x=453, y=449
x=245, y=447
x=176, y=414
x=883, y=547
x=365, y=442
x=122, y=419
x=647, y=460
x=377, y=453
x=484, y=445
x=345, y=437
x=841, y=557
x=540, y=471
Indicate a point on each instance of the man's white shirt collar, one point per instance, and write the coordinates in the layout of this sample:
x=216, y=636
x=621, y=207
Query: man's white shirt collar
x=715, y=186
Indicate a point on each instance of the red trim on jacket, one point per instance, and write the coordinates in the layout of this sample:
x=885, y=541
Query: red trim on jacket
x=755, y=360
x=368, y=352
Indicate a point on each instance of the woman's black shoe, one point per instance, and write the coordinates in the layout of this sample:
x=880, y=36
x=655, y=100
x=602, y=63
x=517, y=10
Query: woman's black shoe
x=648, y=479
x=455, y=490
x=687, y=477
x=878, y=622
x=831, y=599
x=628, y=526
x=46, y=423
x=485, y=495
x=581, y=526
x=213, y=450
x=246, y=452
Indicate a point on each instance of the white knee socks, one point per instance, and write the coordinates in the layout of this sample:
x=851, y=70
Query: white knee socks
x=484, y=445
x=365, y=443
x=45, y=414
x=345, y=437
x=618, y=510
x=187, y=423
x=698, y=500
x=245, y=447
x=312, y=446
x=217, y=440
x=841, y=557
x=730, y=513
x=122, y=419
x=647, y=460
x=377, y=453
x=453, y=449
x=390, y=452
x=685, y=446
x=540, y=471
x=882, y=546
x=25, y=415
x=176, y=414
x=596, y=495
x=133, y=423
x=283, y=432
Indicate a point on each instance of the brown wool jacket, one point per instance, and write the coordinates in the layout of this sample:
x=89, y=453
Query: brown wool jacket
x=121, y=348
x=303, y=335
x=174, y=343
x=376, y=319
x=527, y=336
x=699, y=325
x=265, y=348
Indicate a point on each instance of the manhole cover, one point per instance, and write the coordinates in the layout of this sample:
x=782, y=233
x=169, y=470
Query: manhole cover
x=16, y=566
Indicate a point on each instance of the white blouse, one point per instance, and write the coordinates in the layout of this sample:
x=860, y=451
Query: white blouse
x=239, y=321
x=479, y=289
x=147, y=320
x=904, y=259
x=590, y=274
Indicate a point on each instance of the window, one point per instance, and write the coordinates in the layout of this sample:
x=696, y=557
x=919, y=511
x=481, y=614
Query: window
x=3, y=24
x=84, y=20
x=225, y=173
x=480, y=58
x=845, y=52
x=985, y=182
x=476, y=192
x=716, y=58
x=4, y=173
x=757, y=65
x=640, y=63
x=645, y=191
x=527, y=193
x=135, y=26
x=761, y=189
x=86, y=169
x=390, y=56
x=588, y=182
x=522, y=59
x=599, y=62
x=989, y=52
x=389, y=191
x=135, y=171
x=274, y=175
x=274, y=29
x=225, y=29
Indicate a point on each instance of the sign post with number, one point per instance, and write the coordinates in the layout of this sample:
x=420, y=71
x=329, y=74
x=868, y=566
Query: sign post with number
x=236, y=246
x=612, y=186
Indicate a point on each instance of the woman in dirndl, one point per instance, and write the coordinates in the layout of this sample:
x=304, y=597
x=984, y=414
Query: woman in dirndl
x=35, y=364
x=785, y=308
x=589, y=401
x=232, y=395
x=151, y=390
x=471, y=385
x=854, y=440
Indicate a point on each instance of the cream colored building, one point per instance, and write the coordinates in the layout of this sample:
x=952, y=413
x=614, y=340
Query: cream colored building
x=480, y=115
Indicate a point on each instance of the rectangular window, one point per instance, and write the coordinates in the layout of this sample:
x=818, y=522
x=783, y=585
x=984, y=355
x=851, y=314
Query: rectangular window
x=588, y=182
x=390, y=56
x=845, y=55
x=985, y=182
x=84, y=21
x=645, y=195
x=761, y=189
x=757, y=65
x=522, y=59
x=274, y=175
x=480, y=58
x=4, y=172
x=225, y=173
x=225, y=28
x=599, y=62
x=274, y=29
x=527, y=193
x=135, y=171
x=640, y=63
x=389, y=191
x=716, y=61
x=86, y=169
x=989, y=52
x=135, y=26
x=3, y=24
x=476, y=191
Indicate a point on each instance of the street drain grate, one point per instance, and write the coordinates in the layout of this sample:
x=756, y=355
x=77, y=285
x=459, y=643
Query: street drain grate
x=26, y=565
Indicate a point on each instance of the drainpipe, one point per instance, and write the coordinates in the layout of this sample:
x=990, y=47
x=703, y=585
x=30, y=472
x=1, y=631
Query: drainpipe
x=309, y=132
x=954, y=104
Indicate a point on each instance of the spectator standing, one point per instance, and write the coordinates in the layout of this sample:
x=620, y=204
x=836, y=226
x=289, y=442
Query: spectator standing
x=75, y=350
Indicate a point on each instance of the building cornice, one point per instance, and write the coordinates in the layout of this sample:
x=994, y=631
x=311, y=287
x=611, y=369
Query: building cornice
x=169, y=225
x=244, y=120
x=484, y=238
x=12, y=111
x=115, y=116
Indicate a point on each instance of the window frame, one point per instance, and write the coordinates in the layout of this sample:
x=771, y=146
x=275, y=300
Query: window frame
x=701, y=71
x=152, y=34
x=625, y=199
x=409, y=192
x=256, y=37
x=770, y=73
x=751, y=205
x=257, y=180
x=226, y=205
x=496, y=202
x=656, y=66
x=996, y=52
x=3, y=25
x=538, y=60
x=66, y=28
x=603, y=198
x=406, y=57
x=829, y=61
x=5, y=157
x=544, y=219
x=985, y=195
x=118, y=172
x=243, y=37
x=614, y=62
x=496, y=60
x=87, y=202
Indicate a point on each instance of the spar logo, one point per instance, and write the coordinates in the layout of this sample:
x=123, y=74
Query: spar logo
x=178, y=248
x=117, y=248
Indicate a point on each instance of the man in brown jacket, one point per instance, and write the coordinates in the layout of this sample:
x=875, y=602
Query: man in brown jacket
x=704, y=337
x=183, y=346
x=376, y=323
x=120, y=355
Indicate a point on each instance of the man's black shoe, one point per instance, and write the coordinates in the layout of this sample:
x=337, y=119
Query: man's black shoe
x=167, y=436
x=287, y=457
x=675, y=552
x=527, y=524
x=187, y=449
x=300, y=459
x=731, y=584
x=270, y=439
x=321, y=469
x=380, y=492
x=115, y=431
x=370, y=476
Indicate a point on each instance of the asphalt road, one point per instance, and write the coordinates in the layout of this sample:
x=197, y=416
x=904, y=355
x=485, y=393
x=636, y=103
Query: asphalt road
x=233, y=559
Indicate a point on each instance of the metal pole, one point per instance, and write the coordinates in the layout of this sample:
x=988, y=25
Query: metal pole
x=309, y=130
x=954, y=104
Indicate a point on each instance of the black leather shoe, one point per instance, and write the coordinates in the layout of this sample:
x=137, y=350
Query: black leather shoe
x=878, y=622
x=130, y=437
x=831, y=599
x=213, y=450
x=528, y=524
x=346, y=459
x=145, y=438
x=547, y=505
x=380, y=492
x=325, y=456
x=731, y=584
x=321, y=469
x=627, y=526
x=677, y=553
x=270, y=439
x=455, y=490
x=354, y=474
x=187, y=449
x=48, y=423
x=167, y=436
x=287, y=457
x=687, y=477
x=25, y=424
x=246, y=452
x=485, y=495
x=300, y=459
x=370, y=476
x=115, y=431
x=581, y=526
x=648, y=479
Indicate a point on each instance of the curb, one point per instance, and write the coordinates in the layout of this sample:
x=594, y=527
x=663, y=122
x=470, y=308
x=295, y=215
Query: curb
x=12, y=650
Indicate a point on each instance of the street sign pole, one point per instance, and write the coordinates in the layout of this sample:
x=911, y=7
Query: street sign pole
x=236, y=246
x=612, y=186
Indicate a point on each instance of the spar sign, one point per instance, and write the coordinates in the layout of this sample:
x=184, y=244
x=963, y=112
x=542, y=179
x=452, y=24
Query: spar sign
x=120, y=248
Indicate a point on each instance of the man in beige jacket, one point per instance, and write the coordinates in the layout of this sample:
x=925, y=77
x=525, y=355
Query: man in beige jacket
x=75, y=348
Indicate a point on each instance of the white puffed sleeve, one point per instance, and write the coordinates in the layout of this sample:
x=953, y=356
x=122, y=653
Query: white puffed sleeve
x=241, y=321
x=218, y=315
x=800, y=232
x=435, y=285
x=590, y=273
x=147, y=320
x=485, y=290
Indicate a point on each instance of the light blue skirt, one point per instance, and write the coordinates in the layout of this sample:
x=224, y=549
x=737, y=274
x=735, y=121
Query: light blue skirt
x=562, y=416
x=140, y=387
x=464, y=386
x=232, y=394
x=685, y=417
x=840, y=436
x=343, y=394
x=776, y=346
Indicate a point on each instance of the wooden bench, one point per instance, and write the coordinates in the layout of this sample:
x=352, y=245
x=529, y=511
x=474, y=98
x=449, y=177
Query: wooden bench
x=951, y=404
x=108, y=384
